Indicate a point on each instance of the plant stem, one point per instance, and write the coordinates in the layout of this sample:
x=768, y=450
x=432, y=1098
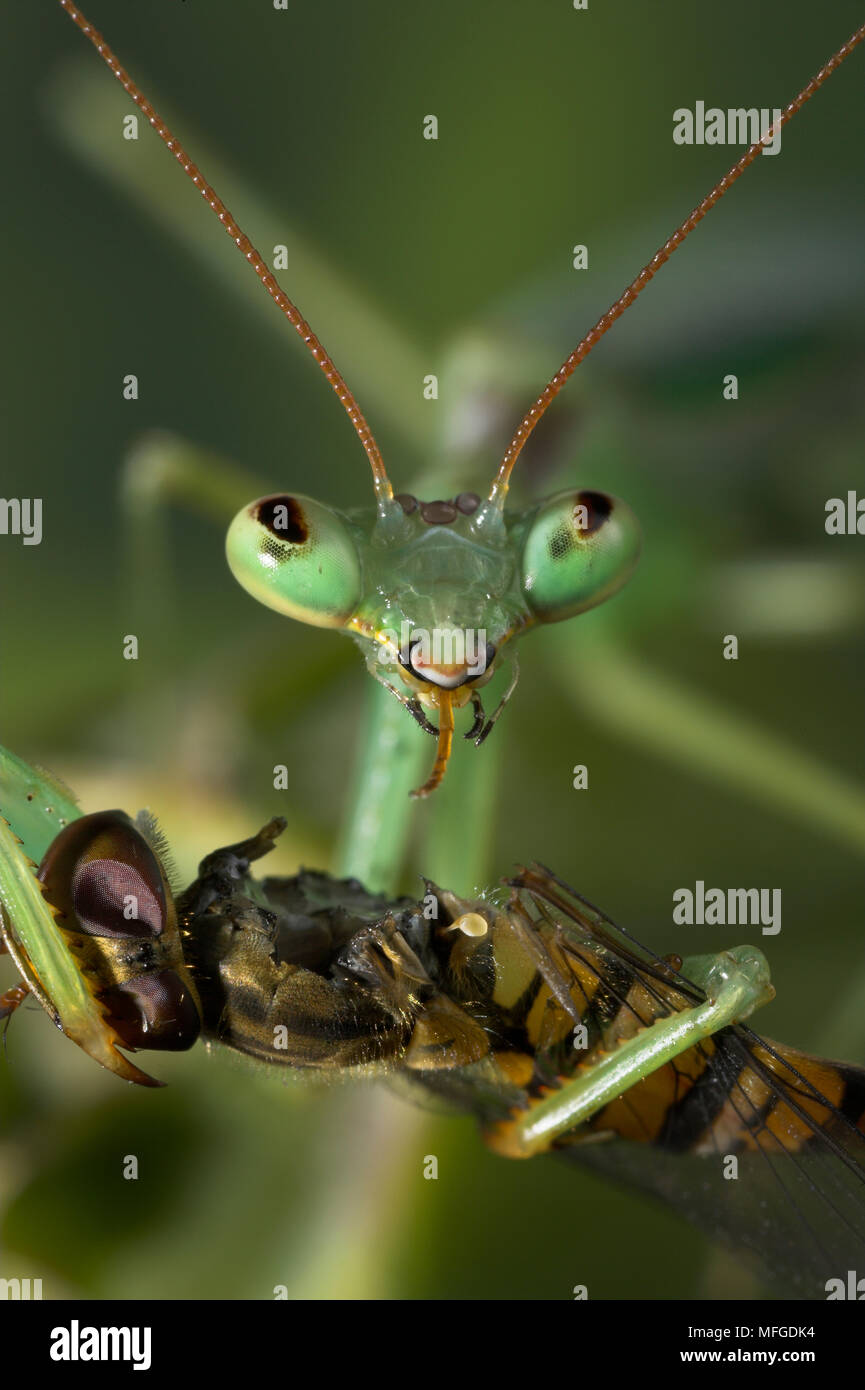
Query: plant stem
x=457, y=841
x=380, y=815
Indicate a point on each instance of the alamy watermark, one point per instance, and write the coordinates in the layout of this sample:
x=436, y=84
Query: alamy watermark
x=20, y=1290
x=736, y=126
x=77, y=1343
x=718, y=907
x=443, y=646
x=22, y=516
x=845, y=516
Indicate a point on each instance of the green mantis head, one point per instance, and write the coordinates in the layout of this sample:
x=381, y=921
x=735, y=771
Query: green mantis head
x=434, y=592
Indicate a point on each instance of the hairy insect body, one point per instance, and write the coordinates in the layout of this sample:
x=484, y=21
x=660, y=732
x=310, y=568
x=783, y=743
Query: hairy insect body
x=484, y=999
x=503, y=1005
x=316, y=972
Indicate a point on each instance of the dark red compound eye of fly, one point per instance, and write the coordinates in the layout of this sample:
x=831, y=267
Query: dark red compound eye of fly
x=107, y=884
x=111, y=898
x=155, y=1011
x=101, y=871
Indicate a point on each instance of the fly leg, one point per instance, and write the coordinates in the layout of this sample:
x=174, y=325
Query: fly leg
x=225, y=870
x=735, y=983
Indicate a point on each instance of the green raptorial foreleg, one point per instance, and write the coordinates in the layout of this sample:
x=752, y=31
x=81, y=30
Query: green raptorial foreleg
x=735, y=983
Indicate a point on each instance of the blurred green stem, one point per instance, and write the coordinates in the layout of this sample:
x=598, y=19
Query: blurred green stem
x=662, y=716
x=379, y=816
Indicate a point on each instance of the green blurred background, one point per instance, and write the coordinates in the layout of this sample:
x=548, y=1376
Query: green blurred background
x=412, y=257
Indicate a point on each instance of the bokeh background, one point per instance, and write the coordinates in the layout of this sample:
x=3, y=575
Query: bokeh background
x=411, y=257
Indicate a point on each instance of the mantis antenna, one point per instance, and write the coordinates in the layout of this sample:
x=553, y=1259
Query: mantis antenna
x=499, y=489
x=381, y=482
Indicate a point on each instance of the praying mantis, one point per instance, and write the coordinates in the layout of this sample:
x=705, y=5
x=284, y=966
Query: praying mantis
x=392, y=795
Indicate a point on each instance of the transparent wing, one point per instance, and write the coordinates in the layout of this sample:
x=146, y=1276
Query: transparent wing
x=796, y=1196
x=760, y=1145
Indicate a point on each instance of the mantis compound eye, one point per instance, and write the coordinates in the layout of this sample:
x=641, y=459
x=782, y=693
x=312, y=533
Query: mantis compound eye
x=580, y=549
x=113, y=901
x=296, y=556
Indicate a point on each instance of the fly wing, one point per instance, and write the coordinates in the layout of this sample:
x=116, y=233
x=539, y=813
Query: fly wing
x=758, y=1144
x=754, y=1153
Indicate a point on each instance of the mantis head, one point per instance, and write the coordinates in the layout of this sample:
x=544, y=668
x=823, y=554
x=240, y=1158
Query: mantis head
x=435, y=592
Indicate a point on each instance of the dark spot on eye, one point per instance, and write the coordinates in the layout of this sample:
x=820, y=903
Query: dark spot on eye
x=598, y=507
x=438, y=513
x=468, y=502
x=407, y=502
x=283, y=516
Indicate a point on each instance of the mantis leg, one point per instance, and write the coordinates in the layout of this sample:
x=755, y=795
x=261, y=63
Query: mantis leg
x=163, y=468
x=735, y=982
x=377, y=824
x=161, y=471
x=657, y=712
